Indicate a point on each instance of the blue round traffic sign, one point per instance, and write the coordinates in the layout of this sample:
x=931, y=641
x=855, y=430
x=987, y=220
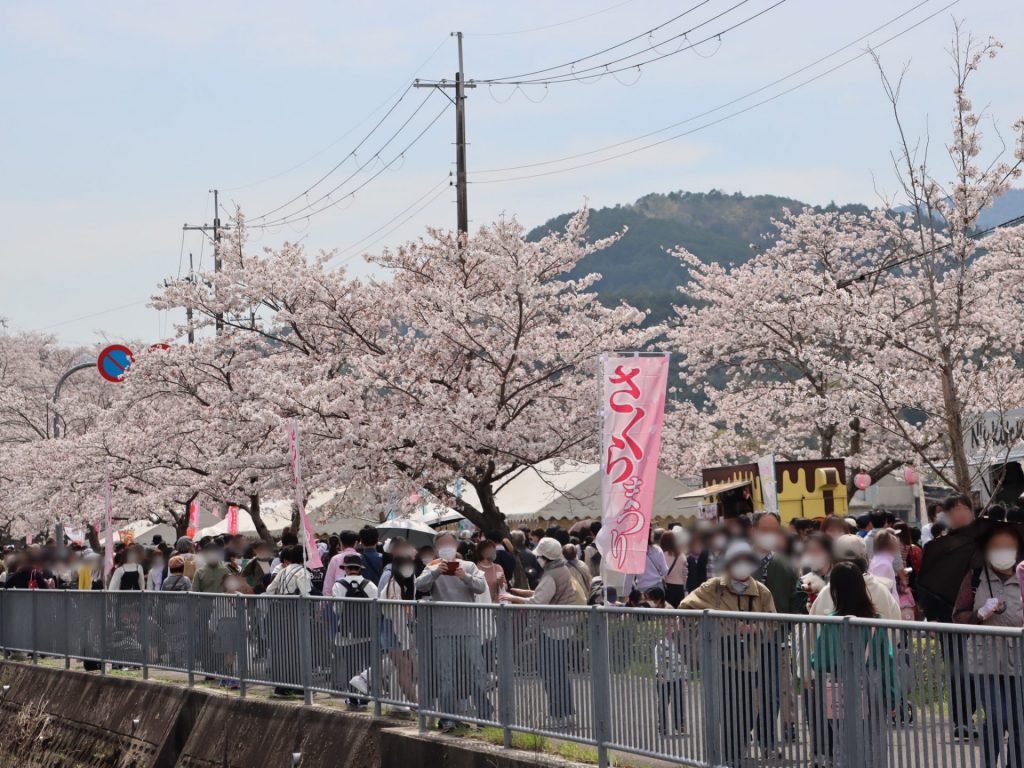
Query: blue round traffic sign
x=114, y=362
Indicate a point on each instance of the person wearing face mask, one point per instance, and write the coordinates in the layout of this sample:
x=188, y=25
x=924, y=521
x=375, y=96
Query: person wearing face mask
x=816, y=564
x=493, y=573
x=718, y=542
x=399, y=583
x=991, y=596
x=737, y=590
x=454, y=637
x=778, y=573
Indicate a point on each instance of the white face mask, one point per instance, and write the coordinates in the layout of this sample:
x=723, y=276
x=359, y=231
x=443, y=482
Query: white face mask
x=742, y=570
x=406, y=571
x=718, y=543
x=1002, y=559
x=682, y=538
x=766, y=541
x=447, y=553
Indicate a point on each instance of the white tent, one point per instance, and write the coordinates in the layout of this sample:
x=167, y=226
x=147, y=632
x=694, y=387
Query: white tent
x=560, y=489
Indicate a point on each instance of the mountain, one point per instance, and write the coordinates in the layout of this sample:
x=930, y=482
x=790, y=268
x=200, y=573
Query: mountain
x=713, y=225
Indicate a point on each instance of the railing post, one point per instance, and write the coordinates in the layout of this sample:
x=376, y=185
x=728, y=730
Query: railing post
x=711, y=684
x=306, y=647
x=242, y=657
x=34, y=600
x=506, y=672
x=424, y=622
x=144, y=618
x=850, y=683
x=376, y=668
x=67, y=629
x=103, y=632
x=600, y=683
x=190, y=638
x=3, y=619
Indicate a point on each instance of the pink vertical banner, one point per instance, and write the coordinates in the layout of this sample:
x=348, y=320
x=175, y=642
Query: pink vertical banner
x=193, y=519
x=312, y=553
x=108, y=543
x=633, y=391
x=232, y=520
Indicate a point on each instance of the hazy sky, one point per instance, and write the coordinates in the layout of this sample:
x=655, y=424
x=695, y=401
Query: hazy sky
x=119, y=116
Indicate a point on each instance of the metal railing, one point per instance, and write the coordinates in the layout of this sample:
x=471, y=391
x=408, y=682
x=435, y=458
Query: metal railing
x=697, y=688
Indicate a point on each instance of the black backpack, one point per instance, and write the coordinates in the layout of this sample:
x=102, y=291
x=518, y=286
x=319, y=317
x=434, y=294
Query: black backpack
x=130, y=581
x=356, y=590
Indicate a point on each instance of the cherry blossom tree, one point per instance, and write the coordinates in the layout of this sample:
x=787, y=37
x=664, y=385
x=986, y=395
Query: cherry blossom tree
x=881, y=336
x=475, y=360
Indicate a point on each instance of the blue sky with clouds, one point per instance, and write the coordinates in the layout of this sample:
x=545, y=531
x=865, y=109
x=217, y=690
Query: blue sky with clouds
x=118, y=117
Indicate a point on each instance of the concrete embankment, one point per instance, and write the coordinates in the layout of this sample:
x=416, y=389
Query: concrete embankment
x=52, y=718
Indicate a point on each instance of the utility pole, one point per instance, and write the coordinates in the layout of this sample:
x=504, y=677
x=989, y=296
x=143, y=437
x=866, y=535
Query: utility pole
x=460, y=85
x=216, y=229
x=188, y=308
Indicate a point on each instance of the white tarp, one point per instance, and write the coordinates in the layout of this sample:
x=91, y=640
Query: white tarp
x=570, y=490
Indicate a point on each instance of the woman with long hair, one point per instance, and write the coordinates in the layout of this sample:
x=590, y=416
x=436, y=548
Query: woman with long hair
x=828, y=693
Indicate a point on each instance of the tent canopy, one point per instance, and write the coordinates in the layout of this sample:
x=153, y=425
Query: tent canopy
x=561, y=489
x=712, y=490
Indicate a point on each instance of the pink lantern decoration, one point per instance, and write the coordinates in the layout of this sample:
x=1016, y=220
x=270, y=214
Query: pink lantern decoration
x=911, y=475
x=862, y=480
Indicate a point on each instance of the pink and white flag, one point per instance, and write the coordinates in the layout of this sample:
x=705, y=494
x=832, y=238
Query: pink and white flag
x=193, y=519
x=632, y=411
x=232, y=520
x=108, y=543
x=312, y=553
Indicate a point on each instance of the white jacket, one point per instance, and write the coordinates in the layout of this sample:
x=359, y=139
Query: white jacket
x=879, y=593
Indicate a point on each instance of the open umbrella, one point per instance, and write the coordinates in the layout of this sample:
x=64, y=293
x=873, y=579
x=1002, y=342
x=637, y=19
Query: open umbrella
x=415, y=532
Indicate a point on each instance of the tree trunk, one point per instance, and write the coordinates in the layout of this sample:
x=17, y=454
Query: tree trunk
x=296, y=522
x=257, y=520
x=92, y=537
x=491, y=518
x=955, y=432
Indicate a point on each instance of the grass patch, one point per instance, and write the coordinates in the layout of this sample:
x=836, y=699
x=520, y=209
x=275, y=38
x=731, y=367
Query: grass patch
x=532, y=742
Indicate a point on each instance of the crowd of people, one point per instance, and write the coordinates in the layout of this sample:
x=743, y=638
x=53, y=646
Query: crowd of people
x=865, y=567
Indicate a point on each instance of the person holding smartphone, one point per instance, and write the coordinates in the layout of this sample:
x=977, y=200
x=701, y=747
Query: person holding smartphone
x=453, y=632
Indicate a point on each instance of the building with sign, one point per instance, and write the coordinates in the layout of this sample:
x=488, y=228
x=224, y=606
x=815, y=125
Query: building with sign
x=995, y=450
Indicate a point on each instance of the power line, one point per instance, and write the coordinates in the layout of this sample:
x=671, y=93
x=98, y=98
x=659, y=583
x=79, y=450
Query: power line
x=341, y=162
x=346, y=134
x=550, y=26
x=95, y=314
x=605, y=69
x=646, y=33
x=924, y=254
x=433, y=192
x=385, y=166
x=711, y=123
x=298, y=213
x=720, y=107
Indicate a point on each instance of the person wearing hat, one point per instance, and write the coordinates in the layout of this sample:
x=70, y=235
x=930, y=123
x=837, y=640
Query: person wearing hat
x=176, y=580
x=186, y=550
x=353, y=644
x=743, y=642
x=558, y=586
x=852, y=549
x=454, y=634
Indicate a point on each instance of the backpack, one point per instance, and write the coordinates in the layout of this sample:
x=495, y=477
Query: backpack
x=356, y=590
x=130, y=581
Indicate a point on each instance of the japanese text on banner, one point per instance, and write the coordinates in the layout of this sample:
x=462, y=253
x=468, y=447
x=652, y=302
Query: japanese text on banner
x=633, y=409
